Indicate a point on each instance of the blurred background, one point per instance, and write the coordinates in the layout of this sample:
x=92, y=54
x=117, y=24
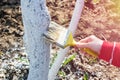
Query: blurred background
x=99, y=17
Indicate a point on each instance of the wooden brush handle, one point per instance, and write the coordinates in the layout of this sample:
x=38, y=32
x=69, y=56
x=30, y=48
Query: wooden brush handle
x=90, y=52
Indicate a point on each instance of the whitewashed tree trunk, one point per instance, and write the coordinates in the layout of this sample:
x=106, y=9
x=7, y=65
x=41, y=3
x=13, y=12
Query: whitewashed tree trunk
x=72, y=27
x=36, y=20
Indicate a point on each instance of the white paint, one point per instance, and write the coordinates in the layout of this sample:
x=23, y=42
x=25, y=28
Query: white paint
x=62, y=52
x=36, y=20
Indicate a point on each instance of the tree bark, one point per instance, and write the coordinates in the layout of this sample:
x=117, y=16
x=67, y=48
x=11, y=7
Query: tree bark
x=72, y=27
x=36, y=20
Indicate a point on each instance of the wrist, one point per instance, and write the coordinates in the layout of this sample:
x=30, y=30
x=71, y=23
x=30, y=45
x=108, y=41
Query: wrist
x=100, y=46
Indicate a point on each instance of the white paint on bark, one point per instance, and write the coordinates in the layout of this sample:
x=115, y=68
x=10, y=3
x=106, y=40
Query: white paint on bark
x=72, y=27
x=36, y=20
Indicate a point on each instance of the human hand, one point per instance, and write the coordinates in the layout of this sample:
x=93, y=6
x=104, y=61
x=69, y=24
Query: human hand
x=91, y=42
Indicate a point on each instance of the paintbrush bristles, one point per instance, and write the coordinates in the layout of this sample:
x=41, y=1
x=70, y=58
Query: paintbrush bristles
x=54, y=32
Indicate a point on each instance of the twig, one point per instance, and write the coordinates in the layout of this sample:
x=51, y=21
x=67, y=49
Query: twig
x=103, y=37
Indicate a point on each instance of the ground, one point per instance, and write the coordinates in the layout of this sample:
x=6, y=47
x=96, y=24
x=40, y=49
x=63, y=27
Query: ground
x=101, y=19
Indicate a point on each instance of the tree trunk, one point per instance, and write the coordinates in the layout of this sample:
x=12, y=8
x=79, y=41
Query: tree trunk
x=72, y=27
x=36, y=20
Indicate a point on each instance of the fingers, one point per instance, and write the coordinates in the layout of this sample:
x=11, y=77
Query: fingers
x=87, y=39
x=86, y=42
x=81, y=45
x=91, y=42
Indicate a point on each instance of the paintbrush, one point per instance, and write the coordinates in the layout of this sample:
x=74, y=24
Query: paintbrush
x=63, y=38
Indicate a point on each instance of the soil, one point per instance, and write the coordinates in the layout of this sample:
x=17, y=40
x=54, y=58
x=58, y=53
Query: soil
x=100, y=19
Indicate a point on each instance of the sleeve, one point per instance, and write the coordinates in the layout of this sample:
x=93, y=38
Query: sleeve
x=110, y=52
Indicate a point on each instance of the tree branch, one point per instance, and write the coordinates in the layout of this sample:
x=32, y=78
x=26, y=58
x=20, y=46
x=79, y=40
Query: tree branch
x=62, y=52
